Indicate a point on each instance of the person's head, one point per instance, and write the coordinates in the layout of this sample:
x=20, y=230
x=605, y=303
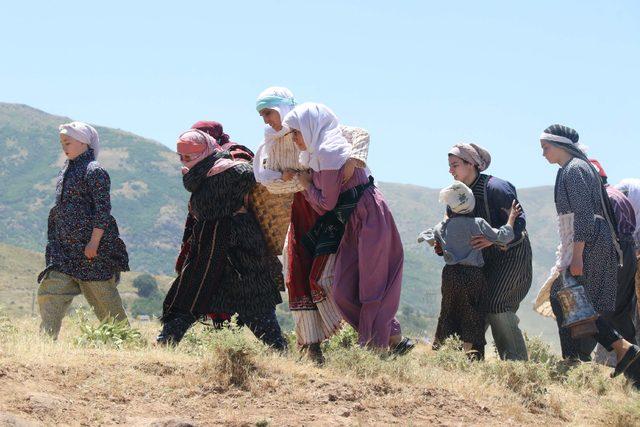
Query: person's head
x=213, y=129
x=466, y=161
x=72, y=147
x=195, y=145
x=273, y=104
x=459, y=198
x=77, y=137
x=600, y=169
x=559, y=144
x=316, y=132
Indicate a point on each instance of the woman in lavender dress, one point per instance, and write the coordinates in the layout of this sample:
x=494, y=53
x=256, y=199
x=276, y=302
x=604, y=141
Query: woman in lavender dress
x=355, y=224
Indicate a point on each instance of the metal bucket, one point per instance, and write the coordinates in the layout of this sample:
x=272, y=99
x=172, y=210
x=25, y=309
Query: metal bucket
x=577, y=310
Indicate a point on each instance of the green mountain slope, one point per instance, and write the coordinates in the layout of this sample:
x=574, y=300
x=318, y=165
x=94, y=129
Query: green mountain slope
x=150, y=205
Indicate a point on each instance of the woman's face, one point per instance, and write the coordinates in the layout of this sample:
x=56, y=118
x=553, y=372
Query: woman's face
x=72, y=147
x=298, y=139
x=272, y=118
x=552, y=153
x=460, y=170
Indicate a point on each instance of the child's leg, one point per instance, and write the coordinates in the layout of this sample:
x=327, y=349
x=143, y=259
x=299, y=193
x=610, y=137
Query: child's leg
x=447, y=325
x=104, y=298
x=55, y=293
x=472, y=317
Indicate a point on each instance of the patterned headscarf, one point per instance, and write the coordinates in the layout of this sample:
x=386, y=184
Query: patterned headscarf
x=327, y=149
x=472, y=153
x=458, y=197
x=83, y=133
x=213, y=129
x=195, y=142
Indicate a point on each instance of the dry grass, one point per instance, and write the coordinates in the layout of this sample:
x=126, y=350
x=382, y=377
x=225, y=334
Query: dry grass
x=228, y=377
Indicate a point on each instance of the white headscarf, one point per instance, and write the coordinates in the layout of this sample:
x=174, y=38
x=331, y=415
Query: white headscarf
x=631, y=187
x=458, y=197
x=327, y=149
x=83, y=133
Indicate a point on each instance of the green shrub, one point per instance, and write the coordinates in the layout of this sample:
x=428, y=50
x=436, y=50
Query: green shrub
x=107, y=334
x=347, y=337
x=146, y=285
x=6, y=327
x=527, y=379
x=151, y=306
x=450, y=356
x=589, y=376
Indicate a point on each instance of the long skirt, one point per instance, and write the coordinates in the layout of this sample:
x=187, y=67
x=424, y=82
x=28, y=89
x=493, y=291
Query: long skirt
x=368, y=271
x=314, y=311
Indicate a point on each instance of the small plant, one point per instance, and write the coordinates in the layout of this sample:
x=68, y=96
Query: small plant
x=451, y=356
x=347, y=337
x=6, y=327
x=107, y=334
x=589, y=376
x=540, y=352
x=231, y=359
x=527, y=379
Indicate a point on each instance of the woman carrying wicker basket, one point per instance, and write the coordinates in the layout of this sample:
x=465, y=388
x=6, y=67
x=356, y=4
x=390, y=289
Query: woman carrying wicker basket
x=314, y=311
x=356, y=224
x=227, y=266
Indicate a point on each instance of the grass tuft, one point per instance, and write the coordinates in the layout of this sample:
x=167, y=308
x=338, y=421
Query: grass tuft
x=109, y=334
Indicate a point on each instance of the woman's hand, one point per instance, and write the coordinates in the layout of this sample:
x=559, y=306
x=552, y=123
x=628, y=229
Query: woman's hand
x=288, y=175
x=515, y=211
x=305, y=178
x=349, y=168
x=576, y=268
x=91, y=250
x=577, y=262
x=480, y=242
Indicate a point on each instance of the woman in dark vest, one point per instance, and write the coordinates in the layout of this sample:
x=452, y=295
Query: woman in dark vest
x=508, y=267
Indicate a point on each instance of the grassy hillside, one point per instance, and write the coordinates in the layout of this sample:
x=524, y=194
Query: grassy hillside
x=226, y=377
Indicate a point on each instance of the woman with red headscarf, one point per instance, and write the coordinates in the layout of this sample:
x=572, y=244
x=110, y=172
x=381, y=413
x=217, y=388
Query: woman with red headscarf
x=226, y=269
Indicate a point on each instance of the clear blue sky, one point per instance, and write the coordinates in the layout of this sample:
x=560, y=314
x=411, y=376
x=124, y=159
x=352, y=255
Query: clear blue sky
x=418, y=75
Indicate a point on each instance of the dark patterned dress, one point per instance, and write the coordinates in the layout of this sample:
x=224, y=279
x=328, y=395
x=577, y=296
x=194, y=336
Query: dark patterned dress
x=227, y=269
x=82, y=204
x=577, y=191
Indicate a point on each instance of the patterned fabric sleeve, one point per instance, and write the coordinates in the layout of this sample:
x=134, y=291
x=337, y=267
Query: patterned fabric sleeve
x=359, y=140
x=579, y=184
x=99, y=185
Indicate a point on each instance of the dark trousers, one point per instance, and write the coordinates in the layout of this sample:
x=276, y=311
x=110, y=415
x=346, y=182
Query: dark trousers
x=621, y=319
x=264, y=326
x=581, y=349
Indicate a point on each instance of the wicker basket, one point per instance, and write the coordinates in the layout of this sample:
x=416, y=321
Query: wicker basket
x=273, y=212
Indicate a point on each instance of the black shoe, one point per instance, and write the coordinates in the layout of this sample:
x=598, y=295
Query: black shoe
x=626, y=361
x=629, y=365
x=403, y=347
